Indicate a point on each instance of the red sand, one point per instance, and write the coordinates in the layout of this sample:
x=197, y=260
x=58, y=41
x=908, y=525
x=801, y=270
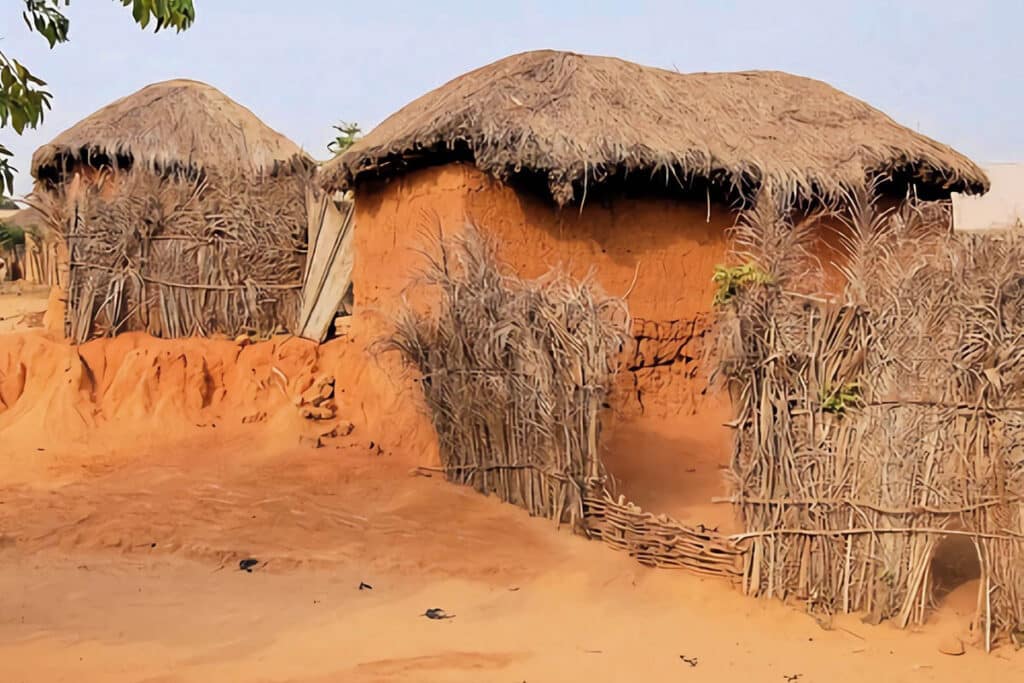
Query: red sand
x=22, y=305
x=131, y=383
x=131, y=487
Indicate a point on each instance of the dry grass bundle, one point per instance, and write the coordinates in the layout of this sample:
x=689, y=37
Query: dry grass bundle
x=515, y=375
x=870, y=429
x=176, y=256
x=576, y=121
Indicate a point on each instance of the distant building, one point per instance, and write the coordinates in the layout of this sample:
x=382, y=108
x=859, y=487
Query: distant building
x=1001, y=208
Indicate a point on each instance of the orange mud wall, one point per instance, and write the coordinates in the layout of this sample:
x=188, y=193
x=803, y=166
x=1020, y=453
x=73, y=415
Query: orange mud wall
x=136, y=388
x=661, y=252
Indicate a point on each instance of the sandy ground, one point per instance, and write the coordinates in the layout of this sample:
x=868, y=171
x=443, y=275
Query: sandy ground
x=122, y=565
x=674, y=467
x=21, y=306
x=120, y=543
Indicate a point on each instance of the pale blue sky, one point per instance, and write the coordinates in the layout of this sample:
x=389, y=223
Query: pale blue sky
x=953, y=70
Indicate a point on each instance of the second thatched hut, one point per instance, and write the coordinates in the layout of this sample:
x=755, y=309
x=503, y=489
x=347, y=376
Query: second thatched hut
x=176, y=211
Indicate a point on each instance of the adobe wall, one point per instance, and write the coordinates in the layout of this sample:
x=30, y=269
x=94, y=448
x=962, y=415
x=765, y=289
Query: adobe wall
x=669, y=248
x=666, y=250
x=662, y=252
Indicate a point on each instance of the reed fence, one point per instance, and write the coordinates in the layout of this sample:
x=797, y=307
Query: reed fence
x=660, y=541
x=874, y=424
x=871, y=424
x=515, y=375
x=176, y=255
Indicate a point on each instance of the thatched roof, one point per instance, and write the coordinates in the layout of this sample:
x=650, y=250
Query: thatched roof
x=578, y=120
x=179, y=124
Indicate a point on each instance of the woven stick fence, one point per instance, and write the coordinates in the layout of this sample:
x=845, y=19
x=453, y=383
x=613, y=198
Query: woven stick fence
x=873, y=426
x=177, y=256
x=660, y=541
x=515, y=375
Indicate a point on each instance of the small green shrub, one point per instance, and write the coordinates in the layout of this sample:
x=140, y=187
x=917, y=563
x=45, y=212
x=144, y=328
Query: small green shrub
x=731, y=279
x=837, y=399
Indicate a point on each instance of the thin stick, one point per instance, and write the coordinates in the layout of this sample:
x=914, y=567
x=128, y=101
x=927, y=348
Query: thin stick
x=885, y=530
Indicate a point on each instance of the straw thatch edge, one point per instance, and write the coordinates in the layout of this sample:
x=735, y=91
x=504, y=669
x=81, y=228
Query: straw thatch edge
x=177, y=126
x=562, y=117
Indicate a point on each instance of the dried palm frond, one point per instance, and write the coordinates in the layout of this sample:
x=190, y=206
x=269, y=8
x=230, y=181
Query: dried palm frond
x=867, y=240
x=515, y=375
x=845, y=507
x=767, y=237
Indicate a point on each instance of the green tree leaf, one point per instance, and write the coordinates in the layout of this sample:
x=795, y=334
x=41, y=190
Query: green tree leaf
x=176, y=14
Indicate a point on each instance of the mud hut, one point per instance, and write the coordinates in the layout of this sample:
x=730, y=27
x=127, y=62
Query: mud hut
x=175, y=211
x=635, y=172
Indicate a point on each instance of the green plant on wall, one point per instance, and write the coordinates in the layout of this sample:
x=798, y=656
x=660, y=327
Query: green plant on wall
x=729, y=280
x=839, y=398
